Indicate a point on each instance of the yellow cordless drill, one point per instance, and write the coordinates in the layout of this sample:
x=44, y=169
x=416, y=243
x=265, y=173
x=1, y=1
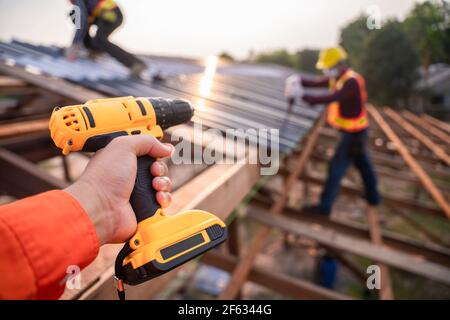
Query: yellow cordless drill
x=161, y=242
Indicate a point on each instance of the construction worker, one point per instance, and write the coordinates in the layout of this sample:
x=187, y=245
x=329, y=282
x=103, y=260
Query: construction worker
x=346, y=112
x=107, y=16
x=44, y=237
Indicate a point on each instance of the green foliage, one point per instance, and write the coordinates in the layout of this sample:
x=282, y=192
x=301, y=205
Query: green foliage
x=304, y=60
x=226, y=56
x=353, y=37
x=388, y=58
x=389, y=64
x=307, y=60
x=281, y=57
x=428, y=25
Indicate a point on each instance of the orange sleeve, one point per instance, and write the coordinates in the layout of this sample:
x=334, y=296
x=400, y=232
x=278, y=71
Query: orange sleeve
x=40, y=237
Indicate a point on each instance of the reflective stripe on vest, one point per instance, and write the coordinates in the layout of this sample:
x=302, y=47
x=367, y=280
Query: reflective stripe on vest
x=334, y=117
x=102, y=6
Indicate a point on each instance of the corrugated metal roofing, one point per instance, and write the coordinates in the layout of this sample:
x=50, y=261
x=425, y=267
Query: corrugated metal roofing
x=239, y=96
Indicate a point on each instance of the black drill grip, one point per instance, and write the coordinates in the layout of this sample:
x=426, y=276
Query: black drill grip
x=143, y=197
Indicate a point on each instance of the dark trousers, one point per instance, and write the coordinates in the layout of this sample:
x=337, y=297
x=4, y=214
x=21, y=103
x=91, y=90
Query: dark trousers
x=101, y=43
x=352, y=149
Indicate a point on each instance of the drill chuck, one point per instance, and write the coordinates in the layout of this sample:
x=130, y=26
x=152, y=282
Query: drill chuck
x=92, y=125
x=170, y=112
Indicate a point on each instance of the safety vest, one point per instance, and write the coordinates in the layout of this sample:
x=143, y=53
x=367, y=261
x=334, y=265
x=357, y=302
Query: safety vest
x=102, y=7
x=334, y=117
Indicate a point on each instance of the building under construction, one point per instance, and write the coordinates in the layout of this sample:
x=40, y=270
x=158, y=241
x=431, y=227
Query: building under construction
x=274, y=250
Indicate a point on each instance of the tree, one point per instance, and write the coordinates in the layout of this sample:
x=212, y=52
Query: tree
x=281, y=57
x=389, y=64
x=304, y=60
x=352, y=39
x=428, y=26
x=307, y=59
x=226, y=56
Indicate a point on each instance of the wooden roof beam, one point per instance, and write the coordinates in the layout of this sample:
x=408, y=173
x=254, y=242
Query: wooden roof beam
x=437, y=123
x=427, y=126
x=331, y=238
x=437, y=150
x=411, y=162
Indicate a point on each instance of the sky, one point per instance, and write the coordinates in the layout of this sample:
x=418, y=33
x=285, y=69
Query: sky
x=198, y=28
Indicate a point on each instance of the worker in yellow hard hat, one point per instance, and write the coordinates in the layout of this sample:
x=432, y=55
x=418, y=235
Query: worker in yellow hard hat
x=346, y=100
x=329, y=58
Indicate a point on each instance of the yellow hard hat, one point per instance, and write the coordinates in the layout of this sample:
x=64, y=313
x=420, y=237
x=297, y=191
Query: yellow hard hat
x=329, y=57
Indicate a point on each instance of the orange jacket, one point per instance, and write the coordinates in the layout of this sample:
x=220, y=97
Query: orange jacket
x=40, y=237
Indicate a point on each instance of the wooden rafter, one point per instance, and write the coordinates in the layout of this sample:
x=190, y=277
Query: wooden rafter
x=437, y=150
x=437, y=123
x=427, y=126
x=23, y=127
x=419, y=249
x=331, y=238
x=411, y=162
x=386, y=292
x=385, y=171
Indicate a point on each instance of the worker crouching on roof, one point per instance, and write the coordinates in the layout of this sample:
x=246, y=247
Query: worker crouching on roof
x=107, y=16
x=346, y=112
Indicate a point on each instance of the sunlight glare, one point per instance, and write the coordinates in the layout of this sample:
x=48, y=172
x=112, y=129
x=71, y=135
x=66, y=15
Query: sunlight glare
x=208, y=75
